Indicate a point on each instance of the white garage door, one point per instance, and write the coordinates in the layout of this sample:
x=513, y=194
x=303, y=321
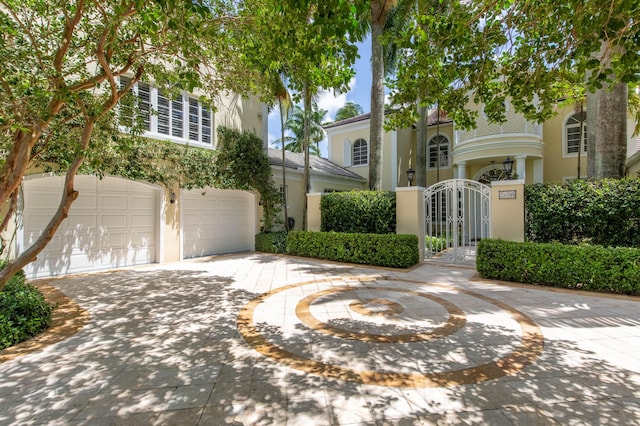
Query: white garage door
x=217, y=221
x=111, y=224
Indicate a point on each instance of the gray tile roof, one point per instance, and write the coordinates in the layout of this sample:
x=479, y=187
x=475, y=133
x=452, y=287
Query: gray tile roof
x=432, y=119
x=295, y=161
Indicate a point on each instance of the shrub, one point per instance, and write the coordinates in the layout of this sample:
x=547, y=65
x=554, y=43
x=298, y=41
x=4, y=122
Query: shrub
x=604, y=212
x=435, y=244
x=586, y=267
x=365, y=212
x=23, y=311
x=271, y=242
x=393, y=250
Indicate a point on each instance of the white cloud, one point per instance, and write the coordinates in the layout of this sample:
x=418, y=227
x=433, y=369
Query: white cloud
x=332, y=102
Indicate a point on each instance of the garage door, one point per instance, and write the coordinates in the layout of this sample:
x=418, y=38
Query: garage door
x=217, y=221
x=111, y=224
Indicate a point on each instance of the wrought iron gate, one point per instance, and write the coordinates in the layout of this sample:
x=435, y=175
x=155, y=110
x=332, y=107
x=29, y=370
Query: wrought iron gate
x=458, y=215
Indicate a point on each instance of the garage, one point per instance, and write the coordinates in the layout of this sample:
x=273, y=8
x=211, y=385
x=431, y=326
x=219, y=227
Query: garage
x=113, y=223
x=217, y=221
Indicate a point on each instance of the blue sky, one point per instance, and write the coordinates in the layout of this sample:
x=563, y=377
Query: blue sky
x=359, y=93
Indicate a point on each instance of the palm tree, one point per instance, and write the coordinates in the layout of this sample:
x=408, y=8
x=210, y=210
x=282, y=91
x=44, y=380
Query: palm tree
x=386, y=16
x=295, y=125
x=350, y=109
x=284, y=106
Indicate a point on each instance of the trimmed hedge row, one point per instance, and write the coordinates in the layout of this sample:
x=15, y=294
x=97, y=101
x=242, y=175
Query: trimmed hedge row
x=271, y=242
x=584, y=267
x=365, y=212
x=604, y=212
x=23, y=311
x=392, y=250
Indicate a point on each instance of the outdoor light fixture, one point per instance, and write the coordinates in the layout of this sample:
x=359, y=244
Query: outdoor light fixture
x=172, y=199
x=411, y=175
x=508, y=166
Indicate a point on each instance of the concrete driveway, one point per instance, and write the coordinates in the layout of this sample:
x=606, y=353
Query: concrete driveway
x=260, y=339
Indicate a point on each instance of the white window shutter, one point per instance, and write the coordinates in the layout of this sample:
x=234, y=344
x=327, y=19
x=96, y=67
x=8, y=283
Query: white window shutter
x=347, y=153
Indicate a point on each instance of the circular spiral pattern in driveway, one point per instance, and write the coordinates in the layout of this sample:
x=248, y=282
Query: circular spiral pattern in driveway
x=390, y=332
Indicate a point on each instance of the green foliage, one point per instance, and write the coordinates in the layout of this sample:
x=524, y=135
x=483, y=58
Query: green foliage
x=530, y=52
x=604, y=212
x=295, y=125
x=242, y=163
x=23, y=311
x=271, y=242
x=350, y=109
x=585, y=267
x=392, y=250
x=372, y=212
x=435, y=244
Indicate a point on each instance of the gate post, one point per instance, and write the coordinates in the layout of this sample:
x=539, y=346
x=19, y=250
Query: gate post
x=314, y=216
x=410, y=214
x=507, y=210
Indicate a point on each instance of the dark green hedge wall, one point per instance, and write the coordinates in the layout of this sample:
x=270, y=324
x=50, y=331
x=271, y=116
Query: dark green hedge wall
x=604, y=212
x=585, y=267
x=398, y=251
x=365, y=212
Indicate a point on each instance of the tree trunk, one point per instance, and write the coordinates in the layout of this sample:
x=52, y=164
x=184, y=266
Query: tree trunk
x=69, y=195
x=421, y=148
x=378, y=16
x=284, y=174
x=607, y=132
x=305, y=150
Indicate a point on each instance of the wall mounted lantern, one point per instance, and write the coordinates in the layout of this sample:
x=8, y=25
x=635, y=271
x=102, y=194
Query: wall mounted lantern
x=508, y=166
x=411, y=175
x=172, y=198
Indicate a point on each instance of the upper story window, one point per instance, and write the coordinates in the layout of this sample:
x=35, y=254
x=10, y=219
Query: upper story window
x=438, y=151
x=572, y=132
x=360, y=153
x=183, y=119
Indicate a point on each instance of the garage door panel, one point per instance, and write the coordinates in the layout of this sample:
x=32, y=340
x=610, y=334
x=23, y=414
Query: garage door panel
x=85, y=201
x=102, y=230
x=217, y=222
x=113, y=202
x=143, y=203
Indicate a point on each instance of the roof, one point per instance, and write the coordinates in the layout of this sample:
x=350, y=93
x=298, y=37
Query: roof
x=355, y=119
x=431, y=120
x=295, y=161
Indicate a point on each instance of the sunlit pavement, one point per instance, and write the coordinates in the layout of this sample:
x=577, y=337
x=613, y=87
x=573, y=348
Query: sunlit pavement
x=260, y=339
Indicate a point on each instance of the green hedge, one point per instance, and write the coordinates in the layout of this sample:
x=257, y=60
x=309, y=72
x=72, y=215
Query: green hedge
x=585, y=267
x=271, y=242
x=364, y=212
x=398, y=251
x=604, y=212
x=23, y=311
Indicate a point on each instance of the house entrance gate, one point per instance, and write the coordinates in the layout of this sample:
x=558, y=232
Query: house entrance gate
x=457, y=216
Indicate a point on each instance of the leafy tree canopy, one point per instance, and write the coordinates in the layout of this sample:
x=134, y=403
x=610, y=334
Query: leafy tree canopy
x=536, y=53
x=350, y=109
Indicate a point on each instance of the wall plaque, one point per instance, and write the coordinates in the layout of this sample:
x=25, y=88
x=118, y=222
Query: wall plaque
x=507, y=195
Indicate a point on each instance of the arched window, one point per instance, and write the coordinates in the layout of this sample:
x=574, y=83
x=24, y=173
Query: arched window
x=572, y=132
x=360, y=153
x=438, y=151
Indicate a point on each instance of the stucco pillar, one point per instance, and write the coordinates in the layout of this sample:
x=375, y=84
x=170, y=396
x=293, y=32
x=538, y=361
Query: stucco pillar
x=314, y=217
x=462, y=169
x=538, y=170
x=521, y=168
x=410, y=214
x=170, y=235
x=507, y=210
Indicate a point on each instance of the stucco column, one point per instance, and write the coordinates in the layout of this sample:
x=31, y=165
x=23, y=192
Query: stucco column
x=314, y=217
x=462, y=169
x=507, y=210
x=521, y=168
x=410, y=214
x=538, y=170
